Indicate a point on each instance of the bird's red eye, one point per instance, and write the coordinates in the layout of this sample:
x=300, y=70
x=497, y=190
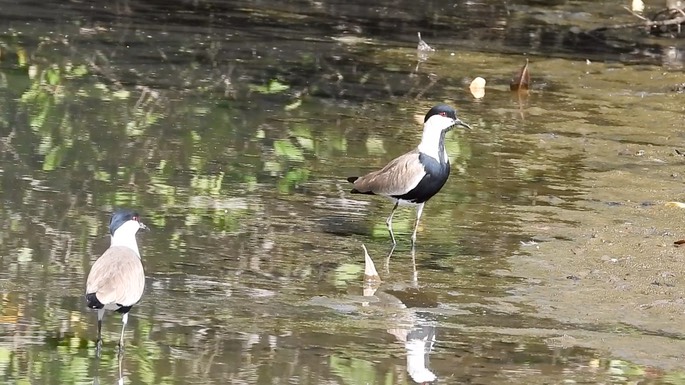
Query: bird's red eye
x=443, y=114
x=136, y=219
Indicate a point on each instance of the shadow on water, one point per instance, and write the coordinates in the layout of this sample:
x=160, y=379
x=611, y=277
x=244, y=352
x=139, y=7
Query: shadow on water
x=231, y=126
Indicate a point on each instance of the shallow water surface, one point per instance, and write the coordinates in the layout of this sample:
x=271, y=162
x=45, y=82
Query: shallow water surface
x=232, y=128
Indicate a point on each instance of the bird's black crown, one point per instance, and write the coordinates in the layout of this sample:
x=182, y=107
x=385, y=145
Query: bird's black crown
x=121, y=216
x=441, y=109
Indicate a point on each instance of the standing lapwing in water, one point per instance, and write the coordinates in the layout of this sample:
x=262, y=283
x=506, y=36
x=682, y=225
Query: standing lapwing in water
x=116, y=280
x=413, y=178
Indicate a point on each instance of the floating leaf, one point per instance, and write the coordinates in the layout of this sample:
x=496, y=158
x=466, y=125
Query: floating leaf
x=679, y=243
x=477, y=87
x=522, y=80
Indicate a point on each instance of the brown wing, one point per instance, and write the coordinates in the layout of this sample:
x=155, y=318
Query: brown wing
x=398, y=177
x=117, y=277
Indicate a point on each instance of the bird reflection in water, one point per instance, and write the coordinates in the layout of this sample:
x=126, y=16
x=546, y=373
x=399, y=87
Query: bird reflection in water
x=413, y=329
x=120, y=370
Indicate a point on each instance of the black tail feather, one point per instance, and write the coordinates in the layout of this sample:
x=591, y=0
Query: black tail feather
x=352, y=179
x=93, y=302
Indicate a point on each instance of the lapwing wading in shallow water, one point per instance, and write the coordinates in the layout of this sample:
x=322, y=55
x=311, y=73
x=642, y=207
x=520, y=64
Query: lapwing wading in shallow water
x=413, y=178
x=116, y=280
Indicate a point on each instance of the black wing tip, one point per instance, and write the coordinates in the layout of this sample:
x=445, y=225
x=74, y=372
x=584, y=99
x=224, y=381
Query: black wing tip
x=123, y=309
x=355, y=191
x=93, y=302
x=353, y=179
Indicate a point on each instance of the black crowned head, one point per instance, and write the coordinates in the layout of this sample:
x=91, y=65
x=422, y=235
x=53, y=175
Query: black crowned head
x=121, y=216
x=446, y=111
x=441, y=109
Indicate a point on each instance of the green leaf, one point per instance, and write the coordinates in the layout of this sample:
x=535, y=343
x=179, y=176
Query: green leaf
x=79, y=71
x=275, y=86
x=292, y=178
x=283, y=147
x=272, y=87
x=353, y=370
x=52, y=76
x=121, y=94
x=53, y=158
x=347, y=272
x=294, y=105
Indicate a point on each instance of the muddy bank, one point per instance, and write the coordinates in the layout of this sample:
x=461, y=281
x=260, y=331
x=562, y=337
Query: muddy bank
x=609, y=268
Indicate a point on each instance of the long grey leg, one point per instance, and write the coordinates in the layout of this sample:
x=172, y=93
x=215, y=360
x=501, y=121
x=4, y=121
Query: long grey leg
x=419, y=211
x=98, y=345
x=124, y=320
x=388, y=222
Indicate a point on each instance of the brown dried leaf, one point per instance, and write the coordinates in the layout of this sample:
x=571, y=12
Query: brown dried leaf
x=522, y=80
x=679, y=243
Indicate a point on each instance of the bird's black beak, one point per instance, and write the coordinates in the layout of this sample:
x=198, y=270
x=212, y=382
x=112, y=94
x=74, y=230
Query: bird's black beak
x=458, y=122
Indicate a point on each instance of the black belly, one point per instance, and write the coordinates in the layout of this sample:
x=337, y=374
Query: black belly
x=436, y=176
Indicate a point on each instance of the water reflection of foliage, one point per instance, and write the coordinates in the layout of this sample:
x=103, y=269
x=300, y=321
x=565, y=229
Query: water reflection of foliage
x=87, y=138
x=64, y=138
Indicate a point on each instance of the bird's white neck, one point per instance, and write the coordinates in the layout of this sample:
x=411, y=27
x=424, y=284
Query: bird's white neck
x=433, y=139
x=434, y=145
x=125, y=236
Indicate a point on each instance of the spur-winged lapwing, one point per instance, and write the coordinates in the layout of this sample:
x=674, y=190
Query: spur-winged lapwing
x=116, y=280
x=413, y=178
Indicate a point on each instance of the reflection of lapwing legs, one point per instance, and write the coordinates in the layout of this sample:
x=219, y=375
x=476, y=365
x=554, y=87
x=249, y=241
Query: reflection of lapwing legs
x=415, y=275
x=96, y=377
x=387, y=259
x=121, y=369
